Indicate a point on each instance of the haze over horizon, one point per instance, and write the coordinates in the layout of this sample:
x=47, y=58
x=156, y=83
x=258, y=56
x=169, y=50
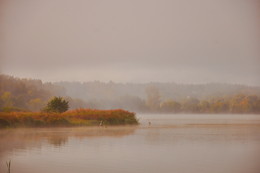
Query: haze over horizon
x=135, y=41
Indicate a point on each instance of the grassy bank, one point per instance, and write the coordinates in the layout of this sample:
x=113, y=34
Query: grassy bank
x=79, y=117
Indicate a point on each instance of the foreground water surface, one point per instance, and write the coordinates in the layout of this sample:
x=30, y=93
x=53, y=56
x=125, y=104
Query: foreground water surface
x=170, y=143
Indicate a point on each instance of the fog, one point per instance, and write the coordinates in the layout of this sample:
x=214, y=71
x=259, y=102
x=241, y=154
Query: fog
x=173, y=143
x=131, y=41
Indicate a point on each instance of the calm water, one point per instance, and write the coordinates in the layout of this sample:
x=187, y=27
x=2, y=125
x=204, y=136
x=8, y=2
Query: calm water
x=172, y=143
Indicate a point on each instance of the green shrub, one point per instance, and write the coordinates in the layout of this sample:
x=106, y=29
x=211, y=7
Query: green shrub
x=57, y=104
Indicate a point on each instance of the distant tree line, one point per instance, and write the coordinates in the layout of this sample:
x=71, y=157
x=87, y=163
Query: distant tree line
x=30, y=95
x=235, y=104
x=239, y=103
x=110, y=93
x=33, y=95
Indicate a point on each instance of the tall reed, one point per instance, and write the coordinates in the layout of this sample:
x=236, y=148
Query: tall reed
x=8, y=164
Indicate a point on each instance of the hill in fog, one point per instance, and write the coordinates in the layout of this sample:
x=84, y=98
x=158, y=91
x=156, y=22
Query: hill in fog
x=30, y=94
x=101, y=90
x=133, y=96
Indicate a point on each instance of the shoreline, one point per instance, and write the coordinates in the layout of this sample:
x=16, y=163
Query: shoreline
x=73, y=118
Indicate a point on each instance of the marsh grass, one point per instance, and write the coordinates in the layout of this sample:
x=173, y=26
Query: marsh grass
x=79, y=117
x=8, y=164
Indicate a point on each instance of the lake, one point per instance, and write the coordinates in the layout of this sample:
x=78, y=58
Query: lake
x=182, y=143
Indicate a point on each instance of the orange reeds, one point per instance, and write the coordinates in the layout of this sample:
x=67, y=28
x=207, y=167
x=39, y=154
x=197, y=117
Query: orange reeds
x=82, y=117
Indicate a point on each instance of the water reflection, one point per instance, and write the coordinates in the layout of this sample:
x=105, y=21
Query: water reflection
x=21, y=139
x=196, y=144
x=58, y=140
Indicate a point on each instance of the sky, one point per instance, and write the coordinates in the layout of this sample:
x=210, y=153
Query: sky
x=183, y=41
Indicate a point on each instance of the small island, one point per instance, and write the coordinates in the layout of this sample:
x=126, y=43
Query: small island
x=79, y=117
x=55, y=114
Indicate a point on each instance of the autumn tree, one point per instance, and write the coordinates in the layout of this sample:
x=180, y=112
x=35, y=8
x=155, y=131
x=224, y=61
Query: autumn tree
x=7, y=99
x=57, y=104
x=153, y=98
x=170, y=106
x=219, y=106
x=190, y=105
x=204, y=106
x=35, y=104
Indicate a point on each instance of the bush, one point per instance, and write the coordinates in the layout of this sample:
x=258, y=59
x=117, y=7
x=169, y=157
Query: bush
x=57, y=104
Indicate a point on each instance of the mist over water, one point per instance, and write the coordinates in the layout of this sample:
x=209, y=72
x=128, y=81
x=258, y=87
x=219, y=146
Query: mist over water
x=171, y=143
x=152, y=56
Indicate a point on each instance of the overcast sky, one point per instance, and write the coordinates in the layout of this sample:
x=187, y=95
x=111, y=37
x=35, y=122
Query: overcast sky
x=187, y=41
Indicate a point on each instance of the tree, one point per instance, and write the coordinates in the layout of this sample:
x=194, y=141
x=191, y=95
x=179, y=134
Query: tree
x=57, y=104
x=153, y=98
x=190, y=105
x=7, y=99
x=35, y=104
x=170, y=106
x=236, y=103
x=219, y=105
x=204, y=106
